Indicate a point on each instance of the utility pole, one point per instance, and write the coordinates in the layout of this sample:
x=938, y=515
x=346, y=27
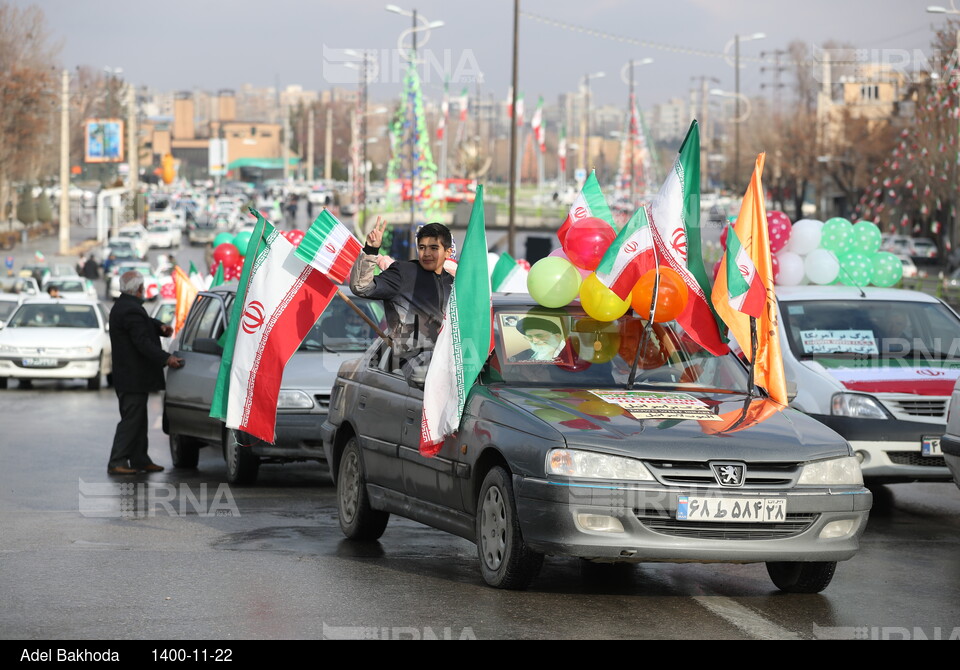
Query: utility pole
x=515, y=77
x=65, y=163
x=310, y=148
x=328, y=145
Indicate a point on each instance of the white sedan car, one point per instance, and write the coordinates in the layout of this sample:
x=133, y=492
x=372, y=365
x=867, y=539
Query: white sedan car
x=56, y=339
x=164, y=236
x=151, y=283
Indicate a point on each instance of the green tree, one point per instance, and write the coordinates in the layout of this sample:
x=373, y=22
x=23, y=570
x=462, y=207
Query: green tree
x=26, y=209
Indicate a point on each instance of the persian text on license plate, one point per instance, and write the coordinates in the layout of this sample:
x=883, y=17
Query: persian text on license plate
x=930, y=446
x=737, y=510
x=40, y=362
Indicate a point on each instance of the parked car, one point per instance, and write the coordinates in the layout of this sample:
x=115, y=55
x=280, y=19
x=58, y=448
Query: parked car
x=561, y=457
x=950, y=442
x=877, y=366
x=56, y=339
x=304, y=390
x=924, y=247
x=910, y=269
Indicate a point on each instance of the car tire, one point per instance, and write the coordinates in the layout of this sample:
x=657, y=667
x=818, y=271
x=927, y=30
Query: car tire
x=242, y=464
x=505, y=560
x=358, y=520
x=184, y=451
x=3, y=382
x=796, y=577
x=93, y=383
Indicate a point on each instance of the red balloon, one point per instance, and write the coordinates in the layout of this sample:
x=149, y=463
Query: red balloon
x=587, y=241
x=775, y=266
x=671, y=295
x=226, y=253
x=779, y=229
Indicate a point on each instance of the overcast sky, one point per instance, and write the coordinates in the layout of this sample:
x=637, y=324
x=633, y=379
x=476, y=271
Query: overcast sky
x=213, y=44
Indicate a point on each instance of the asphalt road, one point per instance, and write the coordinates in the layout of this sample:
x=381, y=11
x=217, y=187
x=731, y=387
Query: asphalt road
x=180, y=555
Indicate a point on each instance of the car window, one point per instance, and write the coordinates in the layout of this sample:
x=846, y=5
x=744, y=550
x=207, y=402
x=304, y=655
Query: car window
x=912, y=331
x=204, y=320
x=54, y=315
x=341, y=329
x=6, y=308
x=567, y=347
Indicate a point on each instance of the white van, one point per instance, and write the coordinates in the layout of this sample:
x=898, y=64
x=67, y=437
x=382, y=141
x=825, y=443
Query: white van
x=878, y=366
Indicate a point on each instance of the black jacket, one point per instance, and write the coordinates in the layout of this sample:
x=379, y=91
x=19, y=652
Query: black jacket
x=138, y=358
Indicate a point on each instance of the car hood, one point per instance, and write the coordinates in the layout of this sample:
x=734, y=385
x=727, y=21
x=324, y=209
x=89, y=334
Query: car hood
x=935, y=378
x=733, y=426
x=50, y=337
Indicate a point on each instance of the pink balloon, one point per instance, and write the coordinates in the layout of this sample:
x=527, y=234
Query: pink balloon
x=559, y=253
x=779, y=228
x=775, y=267
x=587, y=241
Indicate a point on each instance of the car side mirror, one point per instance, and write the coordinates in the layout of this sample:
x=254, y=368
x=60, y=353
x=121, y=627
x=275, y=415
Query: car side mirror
x=207, y=345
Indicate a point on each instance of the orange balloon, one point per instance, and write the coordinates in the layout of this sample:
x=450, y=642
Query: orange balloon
x=671, y=295
x=652, y=356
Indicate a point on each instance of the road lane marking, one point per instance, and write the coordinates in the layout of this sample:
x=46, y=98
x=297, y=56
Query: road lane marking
x=746, y=619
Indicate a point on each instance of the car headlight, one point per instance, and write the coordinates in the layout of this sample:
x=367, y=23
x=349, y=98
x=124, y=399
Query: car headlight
x=79, y=351
x=857, y=406
x=834, y=472
x=591, y=465
x=294, y=400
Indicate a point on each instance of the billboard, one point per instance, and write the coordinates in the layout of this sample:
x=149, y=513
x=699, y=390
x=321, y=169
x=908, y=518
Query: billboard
x=103, y=140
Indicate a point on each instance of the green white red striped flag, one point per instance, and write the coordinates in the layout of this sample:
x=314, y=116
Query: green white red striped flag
x=629, y=256
x=508, y=275
x=589, y=203
x=464, y=342
x=279, y=299
x=330, y=247
x=675, y=222
x=745, y=291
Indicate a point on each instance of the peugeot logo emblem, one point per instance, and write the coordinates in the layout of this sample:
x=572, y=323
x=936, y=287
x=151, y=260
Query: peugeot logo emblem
x=729, y=474
x=253, y=317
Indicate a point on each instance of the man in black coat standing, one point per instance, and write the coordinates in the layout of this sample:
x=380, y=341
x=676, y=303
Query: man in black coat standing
x=138, y=361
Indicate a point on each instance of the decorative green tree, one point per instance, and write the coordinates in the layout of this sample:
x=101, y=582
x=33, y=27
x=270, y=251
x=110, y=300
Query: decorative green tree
x=26, y=209
x=44, y=209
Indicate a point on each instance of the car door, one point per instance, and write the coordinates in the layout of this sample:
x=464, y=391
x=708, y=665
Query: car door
x=190, y=388
x=431, y=479
x=379, y=403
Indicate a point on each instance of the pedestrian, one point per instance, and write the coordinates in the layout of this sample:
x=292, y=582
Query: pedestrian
x=108, y=264
x=138, y=361
x=90, y=269
x=414, y=292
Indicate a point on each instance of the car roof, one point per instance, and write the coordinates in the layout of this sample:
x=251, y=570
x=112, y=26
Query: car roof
x=72, y=300
x=812, y=292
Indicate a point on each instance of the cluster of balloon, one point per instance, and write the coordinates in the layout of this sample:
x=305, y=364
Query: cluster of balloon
x=779, y=232
x=568, y=272
x=837, y=252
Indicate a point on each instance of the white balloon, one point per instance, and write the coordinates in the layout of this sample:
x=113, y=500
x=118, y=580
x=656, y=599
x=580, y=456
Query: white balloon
x=791, y=268
x=821, y=266
x=805, y=236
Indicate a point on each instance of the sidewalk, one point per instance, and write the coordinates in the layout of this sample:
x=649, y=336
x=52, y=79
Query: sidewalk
x=82, y=240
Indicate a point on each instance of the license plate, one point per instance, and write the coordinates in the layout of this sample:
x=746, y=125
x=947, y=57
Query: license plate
x=930, y=446
x=736, y=510
x=40, y=362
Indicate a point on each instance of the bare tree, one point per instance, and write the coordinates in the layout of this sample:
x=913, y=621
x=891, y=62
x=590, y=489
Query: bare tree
x=27, y=95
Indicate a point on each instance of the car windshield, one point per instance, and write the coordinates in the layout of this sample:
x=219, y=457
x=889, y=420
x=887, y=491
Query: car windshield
x=536, y=346
x=909, y=332
x=54, y=315
x=341, y=329
x=68, y=286
x=6, y=308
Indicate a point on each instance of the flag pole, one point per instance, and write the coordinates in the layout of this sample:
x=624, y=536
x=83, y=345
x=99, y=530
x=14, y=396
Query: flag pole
x=753, y=354
x=366, y=318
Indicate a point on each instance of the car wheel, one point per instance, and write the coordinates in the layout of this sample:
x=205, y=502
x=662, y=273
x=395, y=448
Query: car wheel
x=358, y=520
x=796, y=577
x=93, y=383
x=242, y=464
x=3, y=382
x=505, y=560
x=184, y=451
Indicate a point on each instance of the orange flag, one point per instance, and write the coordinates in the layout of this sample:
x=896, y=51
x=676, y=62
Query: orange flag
x=752, y=232
x=185, y=291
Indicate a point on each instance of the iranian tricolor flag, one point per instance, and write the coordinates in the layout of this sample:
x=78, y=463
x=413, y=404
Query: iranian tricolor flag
x=745, y=291
x=536, y=123
x=330, y=247
x=444, y=111
x=589, y=203
x=675, y=223
x=630, y=256
x=562, y=151
x=518, y=110
x=508, y=275
x=279, y=299
x=464, y=342
x=464, y=104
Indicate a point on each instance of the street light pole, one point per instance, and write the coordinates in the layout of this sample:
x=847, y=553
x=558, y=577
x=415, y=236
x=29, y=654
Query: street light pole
x=736, y=129
x=633, y=129
x=585, y=121
x=65, y=163
x=515, y=77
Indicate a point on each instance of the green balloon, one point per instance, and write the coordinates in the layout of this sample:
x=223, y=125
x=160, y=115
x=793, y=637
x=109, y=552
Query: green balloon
x=866, y=237
x=242, y=240
x=887, y=269
x=856, y=269
x=553, y=281
x=222, y=238
x=836, y=235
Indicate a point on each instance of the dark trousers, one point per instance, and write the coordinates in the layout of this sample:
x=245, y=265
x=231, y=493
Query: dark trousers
x=130, y=439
